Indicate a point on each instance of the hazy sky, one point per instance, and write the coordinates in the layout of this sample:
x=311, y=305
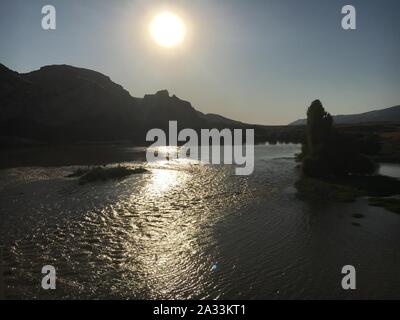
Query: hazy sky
x=255, y=61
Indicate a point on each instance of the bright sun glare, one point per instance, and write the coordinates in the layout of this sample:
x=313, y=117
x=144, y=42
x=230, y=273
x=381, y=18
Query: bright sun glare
x=167, y=29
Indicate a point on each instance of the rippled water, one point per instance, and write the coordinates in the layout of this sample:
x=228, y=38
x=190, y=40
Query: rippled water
x=157, y=235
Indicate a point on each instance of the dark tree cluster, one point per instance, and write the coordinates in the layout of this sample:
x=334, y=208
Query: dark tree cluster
x=327, y=152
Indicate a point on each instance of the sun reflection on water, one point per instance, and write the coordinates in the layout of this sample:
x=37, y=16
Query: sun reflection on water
x=163, y=245
x=162, y=180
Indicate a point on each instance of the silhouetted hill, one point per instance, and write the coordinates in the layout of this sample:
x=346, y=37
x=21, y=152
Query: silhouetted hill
x=157, y=109
x=383, y=115
x=64, y=104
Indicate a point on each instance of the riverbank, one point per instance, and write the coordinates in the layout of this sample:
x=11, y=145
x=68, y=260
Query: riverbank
x=380, y=190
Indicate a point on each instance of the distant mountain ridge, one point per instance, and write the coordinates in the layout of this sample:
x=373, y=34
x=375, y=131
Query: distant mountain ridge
x=391, y=114
x=62, y=103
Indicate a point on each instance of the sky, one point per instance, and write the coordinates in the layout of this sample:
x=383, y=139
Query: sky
x=255, y=61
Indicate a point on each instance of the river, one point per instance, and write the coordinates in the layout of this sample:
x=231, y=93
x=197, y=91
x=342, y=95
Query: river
x=158, y=235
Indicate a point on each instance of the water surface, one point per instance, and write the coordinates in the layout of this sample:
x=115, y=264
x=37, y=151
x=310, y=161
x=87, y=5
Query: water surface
x=157, y=235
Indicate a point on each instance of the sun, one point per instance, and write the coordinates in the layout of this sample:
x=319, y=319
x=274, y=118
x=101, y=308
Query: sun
x=167, y=29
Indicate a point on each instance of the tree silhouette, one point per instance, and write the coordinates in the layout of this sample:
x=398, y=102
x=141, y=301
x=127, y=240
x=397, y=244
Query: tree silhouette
x=319, y=125
x=327, y=152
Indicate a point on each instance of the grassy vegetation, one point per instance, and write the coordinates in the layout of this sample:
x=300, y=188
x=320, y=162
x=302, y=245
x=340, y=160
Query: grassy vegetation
x=389, y=134
x=391, y=204
x=373, y=186
x=390, y=151
x=323, y=190
x=348, y=189
x=95, y=174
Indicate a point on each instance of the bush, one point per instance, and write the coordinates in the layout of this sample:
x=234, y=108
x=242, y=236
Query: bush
x=314, y=167
x=329, y=153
